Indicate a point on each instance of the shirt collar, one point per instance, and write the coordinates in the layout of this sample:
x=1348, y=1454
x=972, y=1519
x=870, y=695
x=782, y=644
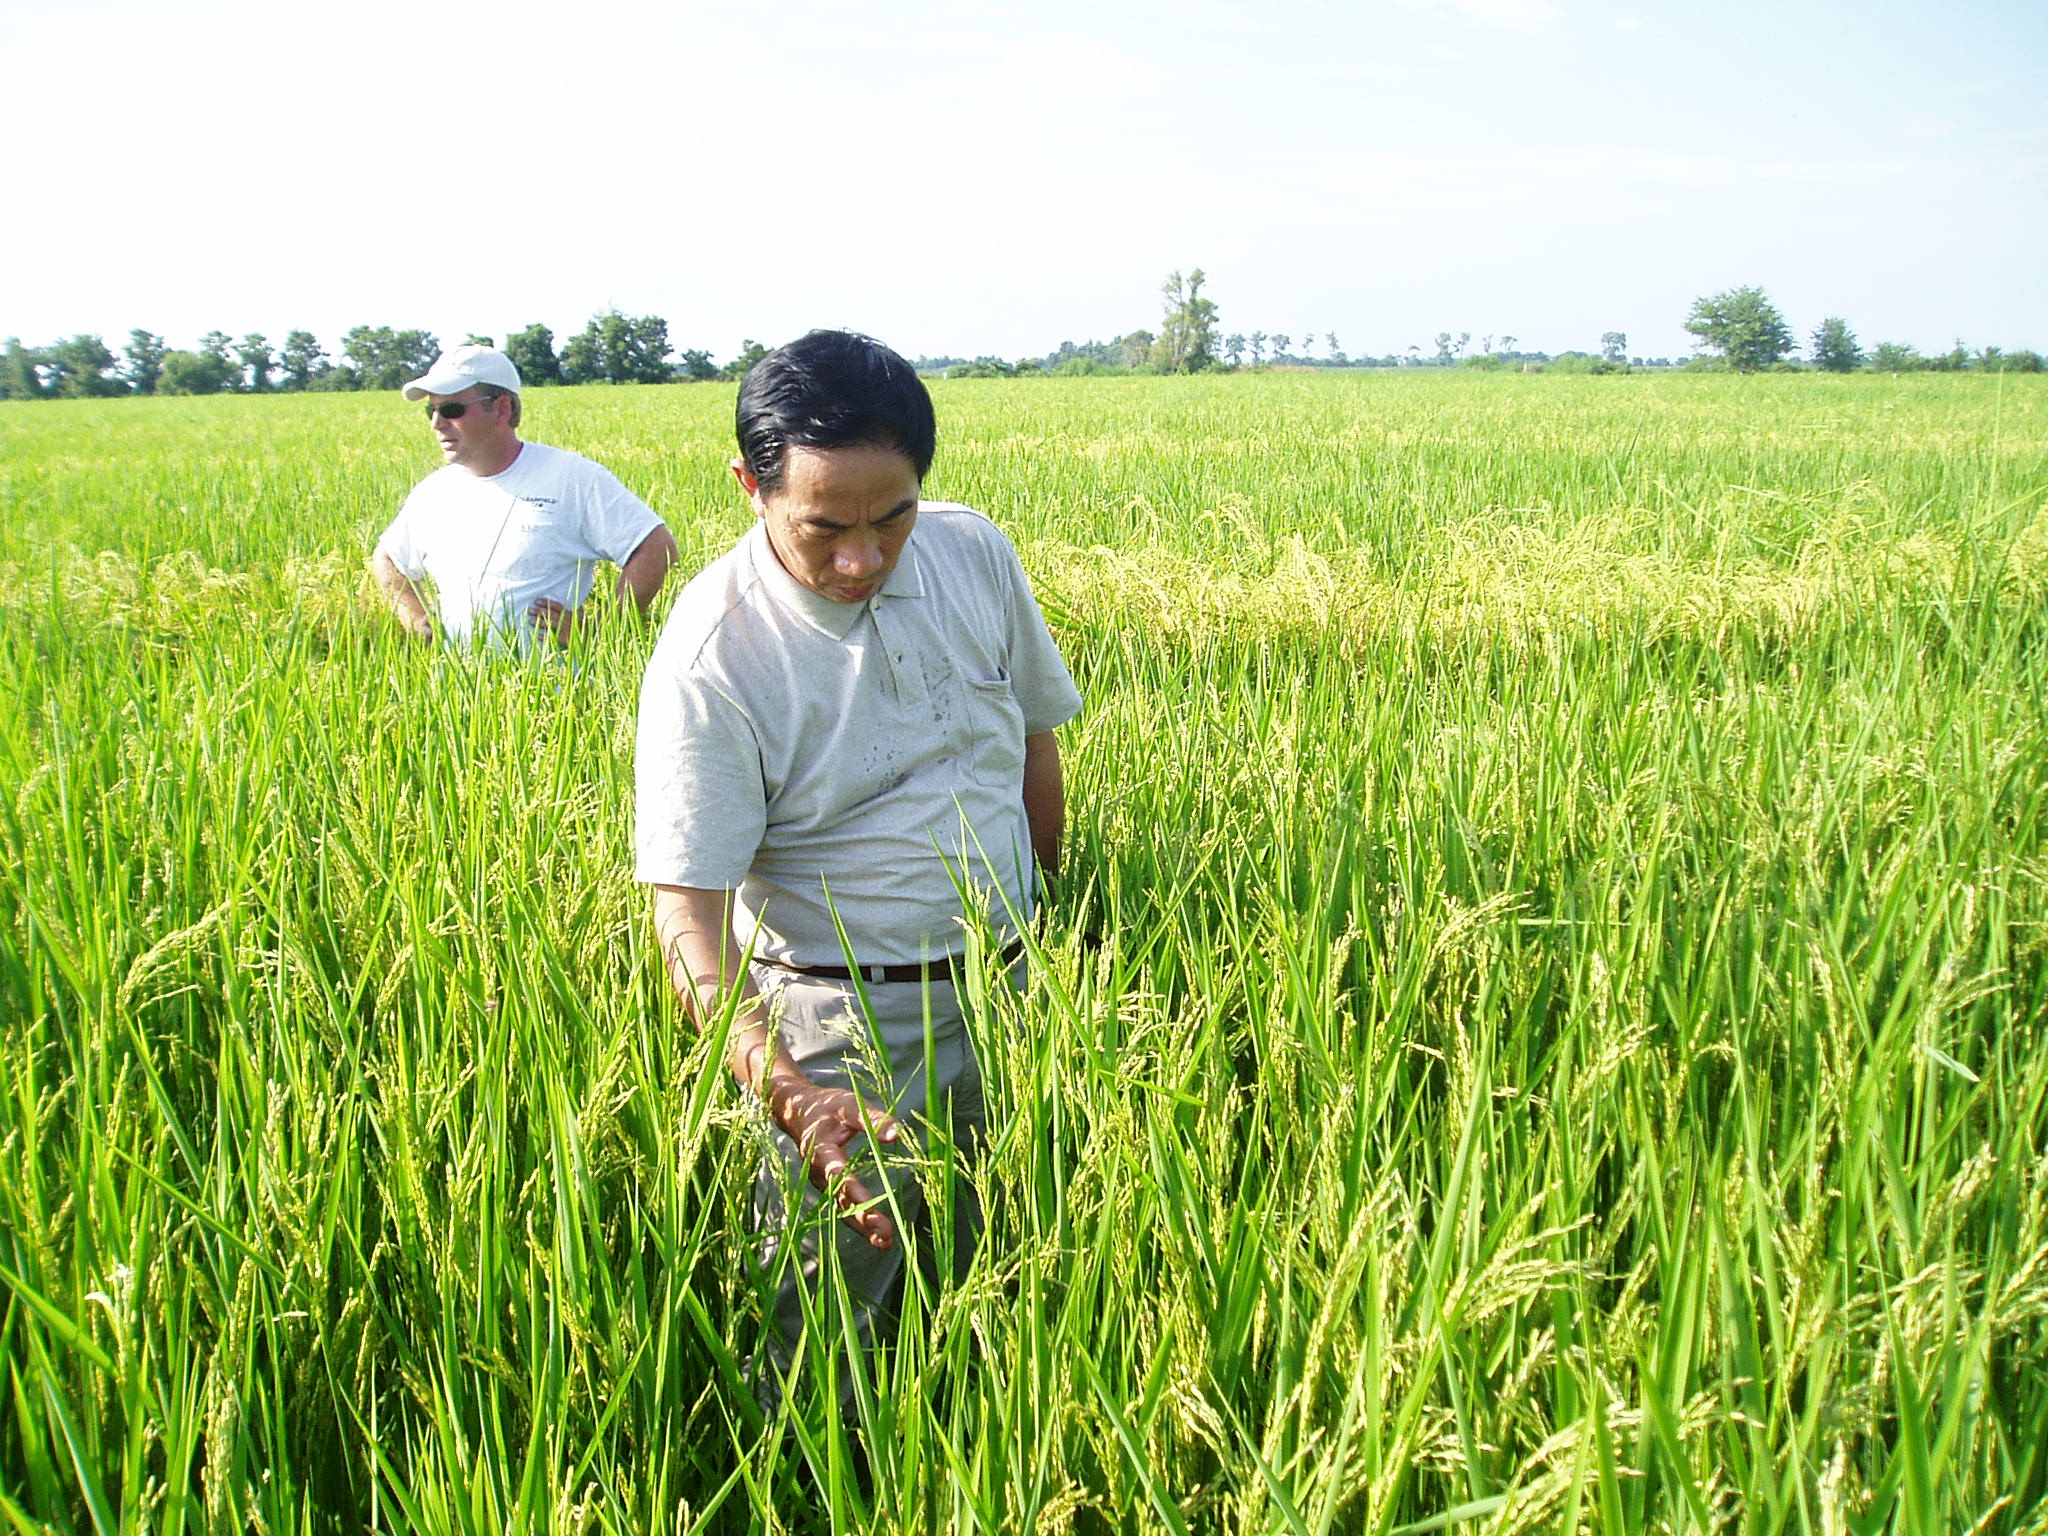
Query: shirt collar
x=907, y=580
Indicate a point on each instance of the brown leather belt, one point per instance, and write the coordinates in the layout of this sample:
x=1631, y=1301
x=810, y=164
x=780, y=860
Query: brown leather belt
x=940, y=969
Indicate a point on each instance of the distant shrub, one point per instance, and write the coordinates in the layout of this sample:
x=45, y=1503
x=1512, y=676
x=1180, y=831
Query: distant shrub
x=192, y=373
x=1583, y=362
x=1087, y=368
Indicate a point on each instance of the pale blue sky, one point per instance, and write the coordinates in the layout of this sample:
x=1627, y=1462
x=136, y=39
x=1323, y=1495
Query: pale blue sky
x=994, y=178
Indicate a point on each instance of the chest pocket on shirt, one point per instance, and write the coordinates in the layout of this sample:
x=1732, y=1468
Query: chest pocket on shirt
x=995, y=752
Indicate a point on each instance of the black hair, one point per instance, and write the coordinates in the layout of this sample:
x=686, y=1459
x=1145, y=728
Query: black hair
x=832, y=389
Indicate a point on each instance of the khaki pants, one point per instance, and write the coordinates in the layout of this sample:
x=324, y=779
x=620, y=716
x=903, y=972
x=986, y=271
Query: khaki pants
x=908, y=1054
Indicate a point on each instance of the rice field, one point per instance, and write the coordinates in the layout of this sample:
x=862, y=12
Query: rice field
x=1542, y=1027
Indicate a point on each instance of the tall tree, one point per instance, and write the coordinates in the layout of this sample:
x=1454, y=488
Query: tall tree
x=381, y=358
x=302, y=361
x=1337, y=357
x=615, y=347
x=1896, y=357
x=1743, y=326
x=647, y=350
x=695, y=364
x=619, y=349
x=1834, y=347
x=413, y=352
x=365, y=347
x=1443, y=349
x=1614, y=346
x=533, y=353
x=257, y=361
x=20, y=371
x=217, y=345
x=145, y=354
x=81, y=368
x=1257, y=343
x=583, y=357
x=1187, y=331
x=1233, y=348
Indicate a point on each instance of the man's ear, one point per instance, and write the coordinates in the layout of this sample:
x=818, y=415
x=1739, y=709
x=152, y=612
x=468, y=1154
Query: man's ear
x=748, y=482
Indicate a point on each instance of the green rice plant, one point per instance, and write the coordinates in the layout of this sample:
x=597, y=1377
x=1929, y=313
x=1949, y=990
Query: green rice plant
x=1542, y=1027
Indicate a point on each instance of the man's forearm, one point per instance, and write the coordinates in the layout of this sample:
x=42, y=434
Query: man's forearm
x=1045, y=799
x=823, y=1120
x=640, y=578
x=704, y=965
x=403, y=596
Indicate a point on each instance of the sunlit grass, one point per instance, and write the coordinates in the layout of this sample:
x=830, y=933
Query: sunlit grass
x=1542, y=1028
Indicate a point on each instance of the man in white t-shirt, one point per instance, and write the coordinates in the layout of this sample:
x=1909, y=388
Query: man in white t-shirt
x=846, y=767
x=510, y=532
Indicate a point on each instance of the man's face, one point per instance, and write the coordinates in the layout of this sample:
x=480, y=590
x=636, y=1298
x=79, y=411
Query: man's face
x=840, y=518
x=478, y=435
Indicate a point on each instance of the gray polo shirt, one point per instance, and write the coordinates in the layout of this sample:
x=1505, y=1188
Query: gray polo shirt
x=864, y=757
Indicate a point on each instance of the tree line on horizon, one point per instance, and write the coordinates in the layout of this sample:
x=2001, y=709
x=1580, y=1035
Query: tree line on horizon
x=1739, y=329
x=612, y=349
x=1747, y=334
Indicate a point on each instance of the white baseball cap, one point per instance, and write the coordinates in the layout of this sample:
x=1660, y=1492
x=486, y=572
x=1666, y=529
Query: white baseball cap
x=459, y=367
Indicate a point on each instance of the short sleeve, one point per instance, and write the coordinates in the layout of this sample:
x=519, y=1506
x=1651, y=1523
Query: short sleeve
x=615, y=521
x=399, y=545
x=700, y=806
x=1039, y=678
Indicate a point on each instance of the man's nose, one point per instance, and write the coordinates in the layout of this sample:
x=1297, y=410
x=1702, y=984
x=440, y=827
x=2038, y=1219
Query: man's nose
x=859, y=556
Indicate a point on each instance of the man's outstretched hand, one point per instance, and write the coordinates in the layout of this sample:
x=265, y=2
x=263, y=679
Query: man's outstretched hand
x=824, y=1122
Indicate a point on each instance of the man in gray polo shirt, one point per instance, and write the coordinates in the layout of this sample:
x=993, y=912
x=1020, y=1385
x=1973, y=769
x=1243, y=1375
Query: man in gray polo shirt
x=847, y=726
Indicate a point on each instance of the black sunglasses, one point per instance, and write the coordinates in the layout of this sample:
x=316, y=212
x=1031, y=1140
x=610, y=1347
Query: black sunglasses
x=452, y=410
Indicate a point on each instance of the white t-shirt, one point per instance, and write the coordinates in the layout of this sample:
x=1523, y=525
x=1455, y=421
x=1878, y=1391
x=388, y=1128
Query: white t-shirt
x=494, y=544
x=815, y=755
